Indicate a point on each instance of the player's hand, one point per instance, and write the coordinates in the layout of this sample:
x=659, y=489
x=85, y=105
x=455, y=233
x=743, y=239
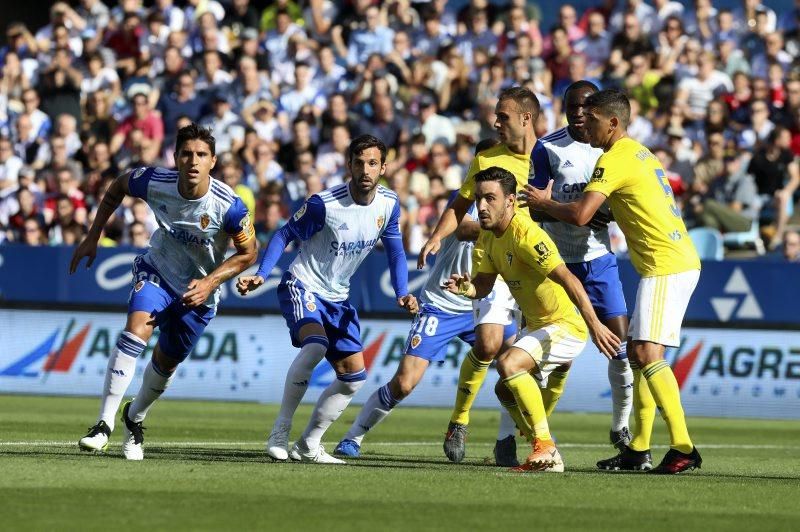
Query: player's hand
x=457, y=284
x=431, y=246
x=533, y=197
x=199, y=290
x=408, y=302
x=248, y=283
x=87, y=248
x=605, y=340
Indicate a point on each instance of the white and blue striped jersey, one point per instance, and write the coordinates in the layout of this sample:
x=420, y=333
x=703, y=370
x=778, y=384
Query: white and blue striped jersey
x=453, y=257
x=569, y=164
x=192, y=235
x=336, y=234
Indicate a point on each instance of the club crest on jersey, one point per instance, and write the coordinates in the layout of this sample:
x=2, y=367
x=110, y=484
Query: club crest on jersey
x=311, y=306
x=300, y=212
x=379, y=221
x=509, y=257
x=138, y=286
x=415, y=341
x=205, y=220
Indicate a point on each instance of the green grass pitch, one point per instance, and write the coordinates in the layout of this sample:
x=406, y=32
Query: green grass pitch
x=205, y=469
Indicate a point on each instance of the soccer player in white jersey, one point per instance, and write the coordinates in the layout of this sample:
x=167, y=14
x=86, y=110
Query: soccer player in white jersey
x=175, y=282
x=442, y=317
x=337, y=229
x=566, y=158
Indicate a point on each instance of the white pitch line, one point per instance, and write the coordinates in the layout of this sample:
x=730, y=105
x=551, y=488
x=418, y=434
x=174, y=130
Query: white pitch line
x=191, y=444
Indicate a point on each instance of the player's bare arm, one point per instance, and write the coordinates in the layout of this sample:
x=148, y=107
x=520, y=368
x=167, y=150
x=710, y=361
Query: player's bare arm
x=464, y=285
x=578, y=212
x=606, y=341
x=110, y=202
x=201, y=289
x=468, y=230
x=447, y=224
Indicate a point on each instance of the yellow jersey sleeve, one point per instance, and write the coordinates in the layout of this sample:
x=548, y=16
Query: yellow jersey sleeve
x=467, y=190
x=539, y=251
x=606, y=177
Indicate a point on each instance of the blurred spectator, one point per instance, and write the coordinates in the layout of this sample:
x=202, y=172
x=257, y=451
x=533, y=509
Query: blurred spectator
x=630, y=39
x=434, y=126
x=65, y=187
x=791, y=246
x=33, y=232
x=595, y=45
x=182, y=102
x=728, y=201
x=10, y=164
x=138, y=236
x=331, y=158
x=64, y=221
x=225, y=125
x=143, y=120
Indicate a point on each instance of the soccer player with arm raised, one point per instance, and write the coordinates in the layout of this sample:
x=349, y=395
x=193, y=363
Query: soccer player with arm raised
x=555, y=306
x=175, y=282
x=636, y=186
x=337, y=229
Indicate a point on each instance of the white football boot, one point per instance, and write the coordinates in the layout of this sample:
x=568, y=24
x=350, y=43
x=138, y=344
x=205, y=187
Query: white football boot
x=132, y=436
x=96, y=441
x=317, y=456
x=278, y=442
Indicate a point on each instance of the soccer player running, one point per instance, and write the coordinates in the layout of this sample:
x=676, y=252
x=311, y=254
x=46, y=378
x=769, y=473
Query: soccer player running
x=546, y=292
x=337, y=229
x=636, y=186
x=442, y=317
x=565, y=158
x=516, y=112
x=175, y=282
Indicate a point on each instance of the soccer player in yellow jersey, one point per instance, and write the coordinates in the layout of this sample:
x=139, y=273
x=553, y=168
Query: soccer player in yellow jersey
x=635, y=184
x=547, y=293
x=516, y=111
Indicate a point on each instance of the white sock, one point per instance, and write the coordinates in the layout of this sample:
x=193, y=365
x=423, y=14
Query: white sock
x=378, y=406
x=296, y=384
x=119, y=374
x=330, y=406
x=620, y=377
x=154, y=382
x=507, y=426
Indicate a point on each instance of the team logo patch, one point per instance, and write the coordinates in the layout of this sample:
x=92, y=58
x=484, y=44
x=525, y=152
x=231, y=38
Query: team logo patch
x=379, y=221
x=138, y=173
x=597, y=175
x=509, y=257
x=311, y=306
x=300, y=212
x=205, y=220
x=415, y=341
x=138, y=286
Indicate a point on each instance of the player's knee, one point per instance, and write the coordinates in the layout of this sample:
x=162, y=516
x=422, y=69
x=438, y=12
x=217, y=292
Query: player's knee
x=350, y=383
x=403, y=386
x=164, y=362
x=508, y=365
x=486, y=348
x=502, y=392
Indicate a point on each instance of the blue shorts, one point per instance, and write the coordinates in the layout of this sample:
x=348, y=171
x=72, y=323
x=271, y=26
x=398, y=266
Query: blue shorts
x=339, y=319
x=179, y=326
x=600, y=279
x=433, y=329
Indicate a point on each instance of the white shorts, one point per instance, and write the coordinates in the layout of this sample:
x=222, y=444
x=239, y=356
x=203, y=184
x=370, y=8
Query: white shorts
x=661, y=303
x=549, y=347
x=498, y=307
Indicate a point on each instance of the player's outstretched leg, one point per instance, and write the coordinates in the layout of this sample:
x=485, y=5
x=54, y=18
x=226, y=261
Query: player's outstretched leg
x=312, y=351
x=332, y=402
x=381, y=403
x=119, y=374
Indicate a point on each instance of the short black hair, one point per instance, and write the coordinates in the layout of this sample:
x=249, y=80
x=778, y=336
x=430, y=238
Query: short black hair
x=526, y=100
x=494, y=173
x=195, y=132
x=485, y=144
x=581, y=84
x=365, y=142
x=611, y=102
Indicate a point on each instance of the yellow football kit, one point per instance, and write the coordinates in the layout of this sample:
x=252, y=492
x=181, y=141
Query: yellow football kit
x=640, y=197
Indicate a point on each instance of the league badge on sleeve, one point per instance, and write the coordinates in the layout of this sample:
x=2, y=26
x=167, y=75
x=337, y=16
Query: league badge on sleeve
x=138, y=173
x=597, y=175
x=300, y=212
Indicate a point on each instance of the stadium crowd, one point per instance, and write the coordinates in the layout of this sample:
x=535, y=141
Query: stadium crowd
x=102, y=89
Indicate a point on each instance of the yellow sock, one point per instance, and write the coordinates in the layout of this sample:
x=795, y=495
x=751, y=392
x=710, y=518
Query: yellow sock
x=552, y=392
x=668, y=395
x=521, y=422
x=470, y=379
x=529, y=398
x=644, y=411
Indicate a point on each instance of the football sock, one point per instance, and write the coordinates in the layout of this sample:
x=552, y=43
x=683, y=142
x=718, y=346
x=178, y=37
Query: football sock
x=620, y=377
x=119, y=374
x=470, y=379
x=154, y=382
x=331, y=404
x=378, y=406
x=644, y=411
x=521, y=423
x=294, y=388
x=667, y=394
x=529, y=399
x=552, y=392
x=508, y=426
